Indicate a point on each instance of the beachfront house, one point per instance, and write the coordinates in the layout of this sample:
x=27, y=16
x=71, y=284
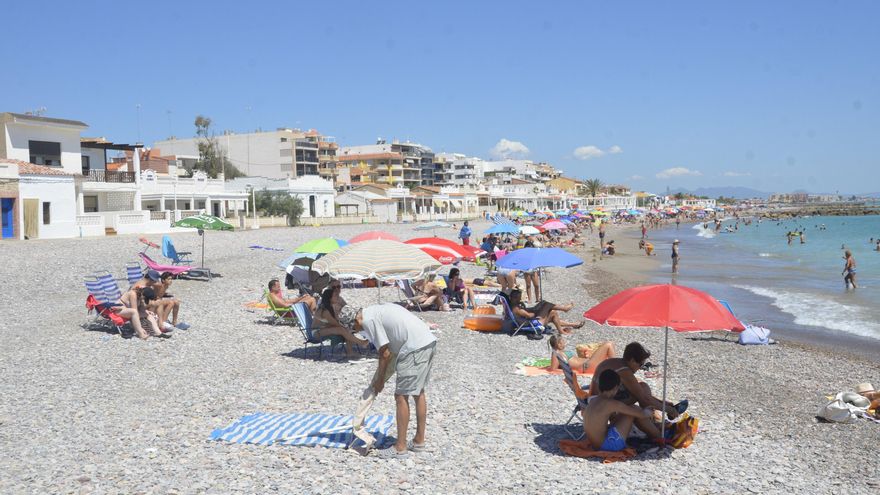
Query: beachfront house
x=317, y=194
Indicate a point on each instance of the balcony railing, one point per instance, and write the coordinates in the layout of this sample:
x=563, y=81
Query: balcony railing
x=114, y=176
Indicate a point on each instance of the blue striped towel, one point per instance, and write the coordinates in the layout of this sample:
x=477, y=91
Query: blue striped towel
x=301, y=429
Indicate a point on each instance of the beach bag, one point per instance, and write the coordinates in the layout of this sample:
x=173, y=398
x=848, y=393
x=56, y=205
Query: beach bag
x=840, y=411
x=686, y=428
x=754, y=335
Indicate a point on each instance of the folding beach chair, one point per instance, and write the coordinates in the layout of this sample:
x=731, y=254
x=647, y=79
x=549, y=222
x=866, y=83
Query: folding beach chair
x=98, y=302
x=279, y=314
x=520, y=325
x=580, y=393
x=175, y=270
x=176, y=257
x=409, y=293
x=109, y=287
x=308, y=331
x=133, y=272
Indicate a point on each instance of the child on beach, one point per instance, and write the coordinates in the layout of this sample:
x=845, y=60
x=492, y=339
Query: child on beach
x=607, y=421
x=588, y=356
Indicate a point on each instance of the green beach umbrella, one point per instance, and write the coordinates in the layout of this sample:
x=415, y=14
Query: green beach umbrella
x=203, y=223
x=321, y=246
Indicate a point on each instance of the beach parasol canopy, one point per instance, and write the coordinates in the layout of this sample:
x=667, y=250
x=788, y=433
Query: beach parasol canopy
x=442, y=250
x=503, y=228
x=537, y=259
x=203, y=223
x=321, y=246
x=553, y=225
x=680, y=308
x=373, y=235
x=529, y=230
x=379, y=259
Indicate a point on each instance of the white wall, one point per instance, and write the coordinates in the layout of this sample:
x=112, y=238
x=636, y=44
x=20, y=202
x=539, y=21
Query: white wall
x=265, y=152
x=59, y=192
x=19, y=135
x=96, y=158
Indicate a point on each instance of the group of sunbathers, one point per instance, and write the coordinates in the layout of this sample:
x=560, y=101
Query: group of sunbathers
x=617, y=399
x=149, y=306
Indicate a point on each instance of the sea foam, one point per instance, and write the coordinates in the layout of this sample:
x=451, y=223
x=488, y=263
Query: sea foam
x=813, y=310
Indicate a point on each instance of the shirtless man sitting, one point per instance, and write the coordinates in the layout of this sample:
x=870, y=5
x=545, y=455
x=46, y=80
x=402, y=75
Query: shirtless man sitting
x=429, y=294
x=280, y=302
x=604, y=409
x=631, y=390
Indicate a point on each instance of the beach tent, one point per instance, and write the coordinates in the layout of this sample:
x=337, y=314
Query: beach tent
x=203, y=223
x=680, y=308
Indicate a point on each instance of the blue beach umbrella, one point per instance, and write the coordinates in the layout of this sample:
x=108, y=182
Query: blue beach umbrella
x=538, y=259
x=503, y=228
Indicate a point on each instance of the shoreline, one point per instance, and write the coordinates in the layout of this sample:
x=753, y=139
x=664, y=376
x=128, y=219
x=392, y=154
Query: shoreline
x=630, y=267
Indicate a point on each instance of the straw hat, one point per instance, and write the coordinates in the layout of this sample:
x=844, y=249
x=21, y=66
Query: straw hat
x=864, y=388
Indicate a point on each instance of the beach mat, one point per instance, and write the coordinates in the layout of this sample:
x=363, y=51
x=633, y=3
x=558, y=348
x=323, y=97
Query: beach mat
x=301, y=429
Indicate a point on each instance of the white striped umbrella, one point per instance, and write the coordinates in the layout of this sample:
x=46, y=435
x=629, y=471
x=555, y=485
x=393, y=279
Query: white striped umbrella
x=379, y=259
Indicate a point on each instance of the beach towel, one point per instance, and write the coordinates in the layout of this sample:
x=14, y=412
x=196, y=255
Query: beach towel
x=265, y=248
x=583, y=448
x=301, y=429
x=256, y=305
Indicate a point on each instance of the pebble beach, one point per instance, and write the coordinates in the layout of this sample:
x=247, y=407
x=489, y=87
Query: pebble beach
x=85, y=411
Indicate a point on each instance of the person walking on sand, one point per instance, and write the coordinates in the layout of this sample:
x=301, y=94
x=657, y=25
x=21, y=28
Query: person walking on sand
x=406, y=347
x=601, y=234
x=849, y=270
x=675, y=256
x=465, y=234
x=677, y=222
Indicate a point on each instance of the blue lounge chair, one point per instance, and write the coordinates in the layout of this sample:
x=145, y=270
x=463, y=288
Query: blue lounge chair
x=133, y=273
x=109, y=287
x=176, y=257
x=520, y=325
x=99, y=303
x=308, y=331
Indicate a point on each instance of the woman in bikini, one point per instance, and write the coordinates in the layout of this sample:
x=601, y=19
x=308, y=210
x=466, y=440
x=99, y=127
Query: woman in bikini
x=327, y=323
x=587, y=359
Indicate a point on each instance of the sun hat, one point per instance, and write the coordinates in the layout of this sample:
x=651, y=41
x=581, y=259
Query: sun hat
x=675, y=241
x=347, y=316
x=864, y=388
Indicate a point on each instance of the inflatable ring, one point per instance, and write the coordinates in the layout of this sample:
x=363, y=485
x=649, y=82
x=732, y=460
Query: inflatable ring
x=484, y=323
x=484, y=310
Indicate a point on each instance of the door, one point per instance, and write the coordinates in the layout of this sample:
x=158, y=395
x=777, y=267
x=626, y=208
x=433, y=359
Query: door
x=312, y=206
x=215, y=208
x=31, y=218
x=8, y=217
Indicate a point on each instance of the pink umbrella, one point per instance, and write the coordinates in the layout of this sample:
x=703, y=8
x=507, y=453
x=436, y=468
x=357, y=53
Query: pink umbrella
x=373, y=235
x=553, y=225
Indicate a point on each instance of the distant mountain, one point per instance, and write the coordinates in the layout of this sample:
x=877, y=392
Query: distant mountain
x=727, y=192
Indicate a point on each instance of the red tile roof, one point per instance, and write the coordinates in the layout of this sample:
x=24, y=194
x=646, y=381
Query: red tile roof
x=25, y=168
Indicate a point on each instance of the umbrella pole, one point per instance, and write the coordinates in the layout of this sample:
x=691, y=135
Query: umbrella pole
x=203, y=249
x=663, y=410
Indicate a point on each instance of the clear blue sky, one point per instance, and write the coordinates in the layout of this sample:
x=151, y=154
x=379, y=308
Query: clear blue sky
x=776, y=95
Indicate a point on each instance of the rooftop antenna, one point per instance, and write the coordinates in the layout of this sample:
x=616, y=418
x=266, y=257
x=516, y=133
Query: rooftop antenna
x=138, y=106
x=36, y=113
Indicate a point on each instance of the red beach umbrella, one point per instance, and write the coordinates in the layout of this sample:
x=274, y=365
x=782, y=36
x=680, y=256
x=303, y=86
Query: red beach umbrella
x=374, y=235
x=442, y=250
x=680, y=308
x=475, y=251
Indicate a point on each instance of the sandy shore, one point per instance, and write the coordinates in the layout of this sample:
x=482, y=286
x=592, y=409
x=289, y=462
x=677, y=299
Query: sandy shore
x=86, y=411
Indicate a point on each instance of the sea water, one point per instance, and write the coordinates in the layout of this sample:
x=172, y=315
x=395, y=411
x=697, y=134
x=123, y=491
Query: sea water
x=796, y=289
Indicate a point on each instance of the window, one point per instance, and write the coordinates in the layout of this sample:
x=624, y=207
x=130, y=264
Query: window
x=47, y=208
x=90, y=204
x=45, y=153
x=283, y=140
x=85, y=165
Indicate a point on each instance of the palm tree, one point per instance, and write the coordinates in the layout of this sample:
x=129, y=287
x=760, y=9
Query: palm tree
x=593, y=186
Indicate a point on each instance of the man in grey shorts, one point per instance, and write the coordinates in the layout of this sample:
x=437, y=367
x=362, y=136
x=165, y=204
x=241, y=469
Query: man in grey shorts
x=406, y=347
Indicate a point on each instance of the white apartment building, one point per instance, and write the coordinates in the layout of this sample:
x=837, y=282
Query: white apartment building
x=277, y=154
x=465, y=170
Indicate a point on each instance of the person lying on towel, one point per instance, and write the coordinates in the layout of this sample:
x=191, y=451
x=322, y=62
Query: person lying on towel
x=607, y=421
x=631, y=390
